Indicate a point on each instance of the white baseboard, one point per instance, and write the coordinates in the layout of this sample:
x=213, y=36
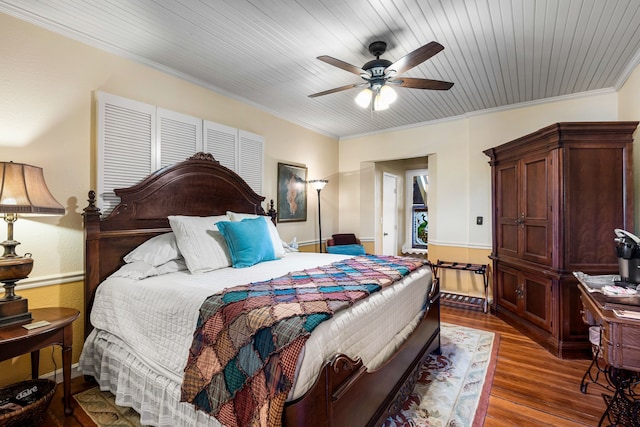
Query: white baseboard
x=57, y=374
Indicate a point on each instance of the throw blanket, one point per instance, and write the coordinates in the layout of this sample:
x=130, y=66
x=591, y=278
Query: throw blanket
x=246, y=344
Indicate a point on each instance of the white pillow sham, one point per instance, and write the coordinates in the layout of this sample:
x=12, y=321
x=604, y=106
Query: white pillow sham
x=278, y=248
x=200, y=242
x=156, y=251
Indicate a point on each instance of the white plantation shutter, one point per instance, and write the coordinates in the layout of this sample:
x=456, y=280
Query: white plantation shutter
x=250, y=159
x=222, y=142
x=136, y=139
x=126, y=131
x=179, y=135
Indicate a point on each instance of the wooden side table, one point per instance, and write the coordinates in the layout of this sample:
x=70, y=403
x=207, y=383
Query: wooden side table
x=16, y=340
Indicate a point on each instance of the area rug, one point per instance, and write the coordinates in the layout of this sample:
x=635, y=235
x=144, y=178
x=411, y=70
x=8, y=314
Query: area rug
x=452, y=390
x=102, y=409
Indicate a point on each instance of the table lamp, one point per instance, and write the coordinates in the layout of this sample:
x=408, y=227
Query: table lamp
x=23, y=192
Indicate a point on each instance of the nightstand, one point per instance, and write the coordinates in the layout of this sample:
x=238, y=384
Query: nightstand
x=16, y=340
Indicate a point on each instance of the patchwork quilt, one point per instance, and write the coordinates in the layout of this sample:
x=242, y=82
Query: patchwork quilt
x=248, y=338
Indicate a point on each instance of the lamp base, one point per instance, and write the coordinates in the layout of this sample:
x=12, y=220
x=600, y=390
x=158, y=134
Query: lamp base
x=13, y=308
x=11, y=270
x=14, y=312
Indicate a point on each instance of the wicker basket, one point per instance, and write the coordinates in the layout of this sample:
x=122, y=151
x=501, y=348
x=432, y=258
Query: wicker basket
x=32, y=413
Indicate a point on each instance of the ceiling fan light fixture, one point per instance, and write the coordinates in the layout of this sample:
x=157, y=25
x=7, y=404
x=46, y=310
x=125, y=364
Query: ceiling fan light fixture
x=379, y=104
x=387, y=94
x=363, y=99
x=380, y=73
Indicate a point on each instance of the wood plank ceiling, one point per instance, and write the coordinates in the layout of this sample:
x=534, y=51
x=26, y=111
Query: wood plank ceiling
x=497, y=52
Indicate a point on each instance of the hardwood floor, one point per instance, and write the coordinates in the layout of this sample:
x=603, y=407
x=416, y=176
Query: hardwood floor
x=530, y=387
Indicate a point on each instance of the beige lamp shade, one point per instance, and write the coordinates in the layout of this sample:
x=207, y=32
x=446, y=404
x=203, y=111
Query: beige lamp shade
x=23, y=191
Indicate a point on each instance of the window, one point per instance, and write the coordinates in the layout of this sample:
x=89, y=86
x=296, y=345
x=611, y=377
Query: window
x=417, y=189
x=419, y=212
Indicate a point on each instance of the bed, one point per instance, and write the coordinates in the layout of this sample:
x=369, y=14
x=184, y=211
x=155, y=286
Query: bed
x=356, y=381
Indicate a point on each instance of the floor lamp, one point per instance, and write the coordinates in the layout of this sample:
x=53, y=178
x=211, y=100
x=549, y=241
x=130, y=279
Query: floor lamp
x=319, y=184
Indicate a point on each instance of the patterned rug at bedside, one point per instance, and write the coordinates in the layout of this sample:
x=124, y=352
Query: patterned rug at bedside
x=453, y=388
x=102, y=409
x=452, y=391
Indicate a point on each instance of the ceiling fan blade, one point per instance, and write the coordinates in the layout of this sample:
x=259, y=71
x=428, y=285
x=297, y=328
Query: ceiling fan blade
x=414, y=58
x=343, y=65
x=421, y=83
x=336, y=89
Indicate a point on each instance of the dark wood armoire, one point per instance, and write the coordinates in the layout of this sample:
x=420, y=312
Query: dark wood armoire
x=558, y=195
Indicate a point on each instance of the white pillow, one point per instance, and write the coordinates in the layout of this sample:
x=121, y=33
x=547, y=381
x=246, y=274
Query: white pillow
x=200, y=242
x=278, y=248
x=138, y=270
x=156, y=251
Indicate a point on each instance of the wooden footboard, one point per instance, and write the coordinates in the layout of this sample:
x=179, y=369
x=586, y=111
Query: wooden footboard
x=346, y=394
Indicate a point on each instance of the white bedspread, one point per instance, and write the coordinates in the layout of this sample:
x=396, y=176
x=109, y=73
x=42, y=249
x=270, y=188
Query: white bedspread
x=154, y=320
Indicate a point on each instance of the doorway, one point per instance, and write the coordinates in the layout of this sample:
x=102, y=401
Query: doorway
x=389, y=214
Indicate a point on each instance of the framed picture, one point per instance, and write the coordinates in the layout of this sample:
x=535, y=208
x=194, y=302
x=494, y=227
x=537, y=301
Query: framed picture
x=292, y=193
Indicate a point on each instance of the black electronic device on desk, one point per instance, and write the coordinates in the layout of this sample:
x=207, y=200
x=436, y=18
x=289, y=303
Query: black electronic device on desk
x=628, y=253
x=622, y=289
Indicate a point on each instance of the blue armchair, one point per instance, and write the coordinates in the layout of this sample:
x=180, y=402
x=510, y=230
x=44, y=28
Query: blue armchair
x=346, y=244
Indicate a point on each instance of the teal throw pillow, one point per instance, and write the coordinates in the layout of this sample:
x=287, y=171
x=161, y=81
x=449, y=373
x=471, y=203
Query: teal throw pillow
x=248, y=240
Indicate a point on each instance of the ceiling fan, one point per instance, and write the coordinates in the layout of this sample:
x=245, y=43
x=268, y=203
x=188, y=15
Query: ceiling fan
x=381, y=74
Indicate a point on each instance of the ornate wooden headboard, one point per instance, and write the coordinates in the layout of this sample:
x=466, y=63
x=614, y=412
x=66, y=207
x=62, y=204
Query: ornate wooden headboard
x=199, y=186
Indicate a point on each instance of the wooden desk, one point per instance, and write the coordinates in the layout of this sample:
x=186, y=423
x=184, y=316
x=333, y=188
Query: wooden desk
x=16, y=340
x=620, y=347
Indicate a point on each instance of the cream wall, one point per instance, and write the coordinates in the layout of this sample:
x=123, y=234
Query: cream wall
x=358, y=154
x=47, y=118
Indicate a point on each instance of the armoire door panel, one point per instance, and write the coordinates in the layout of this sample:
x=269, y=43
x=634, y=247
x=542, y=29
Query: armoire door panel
x=536, y=189
x=509, y=286
x=536, y=243
x=508, y=243
x=508, y=195
x=537, y=301
x=536, y=222
x=507, y=212
x=594, y=200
